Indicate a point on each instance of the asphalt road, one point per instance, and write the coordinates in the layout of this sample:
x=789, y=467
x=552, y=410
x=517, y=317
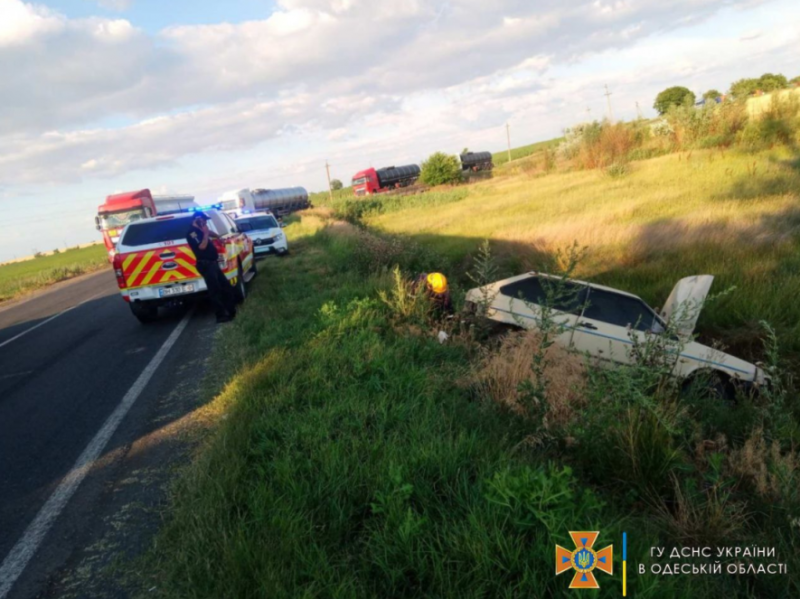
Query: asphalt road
x=68, y=358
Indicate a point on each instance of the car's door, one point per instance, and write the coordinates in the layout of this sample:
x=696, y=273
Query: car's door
x=527, y=302
x=242, y=245
x=609, y=321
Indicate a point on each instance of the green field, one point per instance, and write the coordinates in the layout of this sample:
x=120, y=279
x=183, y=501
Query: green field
x=18, y=278
x=500, y=158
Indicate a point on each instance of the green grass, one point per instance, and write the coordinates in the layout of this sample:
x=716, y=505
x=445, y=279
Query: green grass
x=18, y=278
x=500, y=158
x=322, y=198
x=351, y=464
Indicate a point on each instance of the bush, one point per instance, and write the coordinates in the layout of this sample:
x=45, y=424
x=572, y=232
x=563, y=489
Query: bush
x=336, y=185
x=766, y=83
x=689, y=125
x=608, y=145
x=615, y=171
x=673, y=96
x=768, y=131
x=441, y=169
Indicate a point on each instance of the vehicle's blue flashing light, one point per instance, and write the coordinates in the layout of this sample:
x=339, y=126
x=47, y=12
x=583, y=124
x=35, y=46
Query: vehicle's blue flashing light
x=204, y=208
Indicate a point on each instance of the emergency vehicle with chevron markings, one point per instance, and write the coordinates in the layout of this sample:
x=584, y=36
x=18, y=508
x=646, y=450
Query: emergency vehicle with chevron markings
x=155, y=266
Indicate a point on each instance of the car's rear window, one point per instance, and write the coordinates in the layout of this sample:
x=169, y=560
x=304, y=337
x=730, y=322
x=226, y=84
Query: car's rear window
x=256, y=223
x=156, y=231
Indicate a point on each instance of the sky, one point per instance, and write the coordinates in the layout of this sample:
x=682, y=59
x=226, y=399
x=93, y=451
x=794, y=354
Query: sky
x=200, y=97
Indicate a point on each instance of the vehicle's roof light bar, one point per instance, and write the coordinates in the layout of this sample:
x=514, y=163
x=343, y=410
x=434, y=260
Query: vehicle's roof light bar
x=204, y=208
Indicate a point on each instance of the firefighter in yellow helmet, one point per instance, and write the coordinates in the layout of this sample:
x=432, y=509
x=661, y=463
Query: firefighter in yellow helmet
x=438, y=291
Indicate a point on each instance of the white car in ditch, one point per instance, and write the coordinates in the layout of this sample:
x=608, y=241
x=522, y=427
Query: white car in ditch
x=606, y=323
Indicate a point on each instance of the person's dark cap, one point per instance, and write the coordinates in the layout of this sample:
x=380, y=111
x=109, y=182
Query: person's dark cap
x=202, y=215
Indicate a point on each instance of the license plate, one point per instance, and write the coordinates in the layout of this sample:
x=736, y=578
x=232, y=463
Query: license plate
x=166, y=291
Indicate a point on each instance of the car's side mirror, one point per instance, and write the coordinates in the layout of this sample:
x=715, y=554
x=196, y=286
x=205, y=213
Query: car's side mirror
x=97, y=223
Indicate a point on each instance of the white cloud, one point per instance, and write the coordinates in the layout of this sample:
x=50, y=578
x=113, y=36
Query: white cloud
x=99, y=97
x=117, y=5
x=751, y=35
x=20, y=22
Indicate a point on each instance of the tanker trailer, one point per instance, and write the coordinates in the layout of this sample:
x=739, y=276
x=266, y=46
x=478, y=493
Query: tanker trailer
x=280, y=201
x=398, y=176
x=476, y=161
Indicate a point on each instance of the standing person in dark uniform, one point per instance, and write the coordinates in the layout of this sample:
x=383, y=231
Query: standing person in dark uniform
x=219, y=289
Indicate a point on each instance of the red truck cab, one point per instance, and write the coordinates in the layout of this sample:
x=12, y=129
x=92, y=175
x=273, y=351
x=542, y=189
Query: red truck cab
x=384, y=179
x=366, y=182
x=120, y=209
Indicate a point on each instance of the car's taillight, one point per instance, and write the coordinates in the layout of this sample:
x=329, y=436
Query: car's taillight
x=117, y=263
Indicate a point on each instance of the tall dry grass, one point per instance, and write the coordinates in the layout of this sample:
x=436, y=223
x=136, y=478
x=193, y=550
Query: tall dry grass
x=500, y=373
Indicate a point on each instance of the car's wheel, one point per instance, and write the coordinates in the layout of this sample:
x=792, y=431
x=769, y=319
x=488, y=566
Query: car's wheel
x=240, y=290
x=144, y=312
x=711, y=385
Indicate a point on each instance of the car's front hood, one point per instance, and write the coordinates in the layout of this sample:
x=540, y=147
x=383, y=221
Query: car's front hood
x=685, y=303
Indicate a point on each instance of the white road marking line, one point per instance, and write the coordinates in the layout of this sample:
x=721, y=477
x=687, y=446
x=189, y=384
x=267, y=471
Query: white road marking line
x=44, y=322
x=19, y=556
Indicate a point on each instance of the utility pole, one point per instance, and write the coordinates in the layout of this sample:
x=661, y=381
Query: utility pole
x=508, y=137
x=638, y=110
x=589, y=114
x=328, y=172
x=608, y=98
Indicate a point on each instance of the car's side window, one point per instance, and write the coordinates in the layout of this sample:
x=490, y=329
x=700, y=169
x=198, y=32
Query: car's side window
x=619, y=310
x=564, y=296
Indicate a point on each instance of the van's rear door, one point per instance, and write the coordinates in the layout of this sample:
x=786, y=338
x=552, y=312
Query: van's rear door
x=155, y=252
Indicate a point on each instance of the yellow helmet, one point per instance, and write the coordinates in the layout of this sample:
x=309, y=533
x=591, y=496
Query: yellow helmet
x=437, y=282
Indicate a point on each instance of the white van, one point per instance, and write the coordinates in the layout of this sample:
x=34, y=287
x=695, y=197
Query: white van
x=237, y=202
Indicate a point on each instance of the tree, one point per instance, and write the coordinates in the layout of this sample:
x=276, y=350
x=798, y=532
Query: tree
x=769, y=82
x=336, y=185
x=711, y=94
x=795, y=81
x=673, y=96
x=743, y=88
x=440, y=169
